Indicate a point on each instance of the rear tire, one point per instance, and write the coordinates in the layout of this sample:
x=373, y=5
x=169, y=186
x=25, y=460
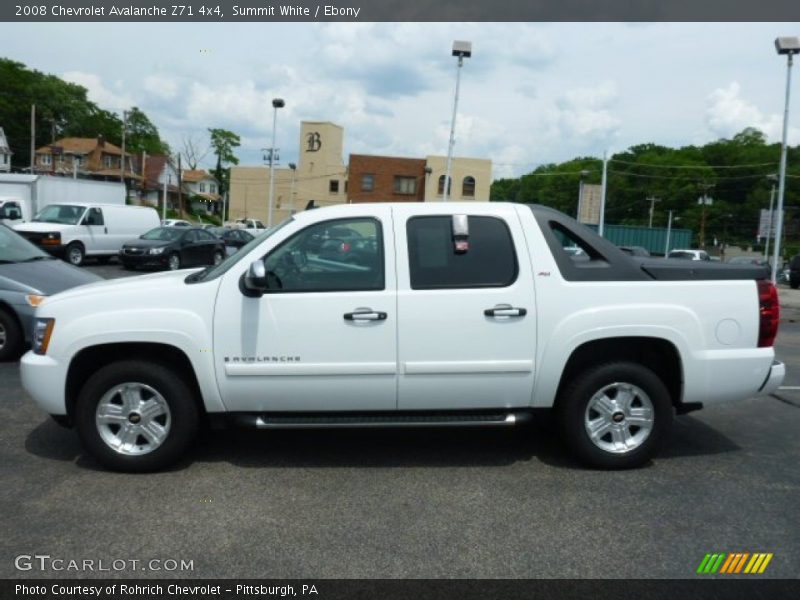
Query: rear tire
x=136, y=416
x=11, y=338
x=615, y=415
x=794, y=284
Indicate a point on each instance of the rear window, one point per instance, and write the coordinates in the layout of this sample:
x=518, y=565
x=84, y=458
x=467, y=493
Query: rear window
x=434, y=263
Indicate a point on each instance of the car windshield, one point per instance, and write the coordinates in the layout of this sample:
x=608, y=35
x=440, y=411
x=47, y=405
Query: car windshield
x=214, y=272
x=60, y=213
x=14, y=248
x=166, y=234
x=684, y=255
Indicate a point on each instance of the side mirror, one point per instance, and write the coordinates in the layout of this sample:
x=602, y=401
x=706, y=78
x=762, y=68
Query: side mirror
x=255, y=280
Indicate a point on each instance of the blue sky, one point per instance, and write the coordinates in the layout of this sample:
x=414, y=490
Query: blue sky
x=531, y=94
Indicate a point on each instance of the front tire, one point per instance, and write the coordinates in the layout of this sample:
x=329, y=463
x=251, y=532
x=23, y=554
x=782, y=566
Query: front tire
x=174, y=261
x=75, y=254
x=136, y=416
x=615, y=415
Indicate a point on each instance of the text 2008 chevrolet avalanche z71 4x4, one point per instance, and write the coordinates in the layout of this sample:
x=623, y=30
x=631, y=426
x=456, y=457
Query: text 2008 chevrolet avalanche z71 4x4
x=371, y=315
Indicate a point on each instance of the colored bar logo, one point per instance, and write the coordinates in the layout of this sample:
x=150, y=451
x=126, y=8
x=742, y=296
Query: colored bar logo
x=734, y=562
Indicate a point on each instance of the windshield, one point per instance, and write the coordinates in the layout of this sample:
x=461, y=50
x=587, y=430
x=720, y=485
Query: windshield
x=214, y=272
x=60, y=213
x=15, y=248
x=166, y=234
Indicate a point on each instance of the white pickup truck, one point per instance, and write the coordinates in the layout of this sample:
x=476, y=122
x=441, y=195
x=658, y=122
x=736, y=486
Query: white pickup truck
x=414, y=315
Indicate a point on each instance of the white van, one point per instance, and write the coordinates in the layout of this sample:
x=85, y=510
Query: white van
x=79, y=230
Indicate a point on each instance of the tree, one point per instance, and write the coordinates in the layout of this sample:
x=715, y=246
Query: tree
x=62, y=110
x=223, y=142
x=142, y=136
x=193, y=151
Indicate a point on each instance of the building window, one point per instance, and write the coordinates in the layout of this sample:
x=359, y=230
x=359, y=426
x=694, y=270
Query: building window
x=202, y=187
x=368, y=182
x=108, y=162
x=76, y=160
x=405, y=185
x=468, y=187
x=212, y=187
x=333, y=186
x=46, y=159
x=440, y=190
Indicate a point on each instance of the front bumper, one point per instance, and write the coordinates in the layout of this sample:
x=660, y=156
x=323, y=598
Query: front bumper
x=43, y=378
x=144, y=260
x=774, y=378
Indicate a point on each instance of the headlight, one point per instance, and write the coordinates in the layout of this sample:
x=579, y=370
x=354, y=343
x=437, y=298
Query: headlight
x=34, y=300
x=156, y=251
x=42, y=330
x=51, y=239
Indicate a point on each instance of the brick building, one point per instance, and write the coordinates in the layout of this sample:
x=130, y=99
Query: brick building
x=385, y=179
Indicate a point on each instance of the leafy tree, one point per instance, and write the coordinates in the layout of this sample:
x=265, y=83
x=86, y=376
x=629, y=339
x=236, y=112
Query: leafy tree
x=62, y=110
x=223, y=142
x=142, y=136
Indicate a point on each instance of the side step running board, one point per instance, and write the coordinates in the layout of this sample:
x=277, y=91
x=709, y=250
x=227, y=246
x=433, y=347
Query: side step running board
x=299, y=421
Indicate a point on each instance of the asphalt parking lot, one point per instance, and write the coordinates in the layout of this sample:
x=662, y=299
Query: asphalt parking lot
x=444, y=504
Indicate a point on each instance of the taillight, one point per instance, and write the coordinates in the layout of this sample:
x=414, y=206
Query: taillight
x=769, y=313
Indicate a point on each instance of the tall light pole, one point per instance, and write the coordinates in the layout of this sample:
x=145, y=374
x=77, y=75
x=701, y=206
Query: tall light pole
x=788, y=46
x=276, y=104
x=122, y=162
x=603, y=191
x=669, y=233
x=773, y=179
x=461, y=50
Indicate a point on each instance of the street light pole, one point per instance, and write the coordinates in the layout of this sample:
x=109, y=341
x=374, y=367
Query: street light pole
x=461, y=50
x=276, y=104
x=788, y=46
x=603, y=191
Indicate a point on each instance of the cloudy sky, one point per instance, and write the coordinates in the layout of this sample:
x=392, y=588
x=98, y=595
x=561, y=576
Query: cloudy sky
x=531, y=93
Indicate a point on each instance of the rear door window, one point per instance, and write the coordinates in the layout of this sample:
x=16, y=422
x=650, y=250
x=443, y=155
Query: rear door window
x=434, y=263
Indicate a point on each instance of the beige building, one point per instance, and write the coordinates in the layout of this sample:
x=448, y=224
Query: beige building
x=470, y=179
x=321, y=175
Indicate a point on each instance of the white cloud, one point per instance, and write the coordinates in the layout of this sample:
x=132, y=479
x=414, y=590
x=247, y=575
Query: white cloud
x=727, y=113
x=587, y=112
x=161, y=86
x=99, y=93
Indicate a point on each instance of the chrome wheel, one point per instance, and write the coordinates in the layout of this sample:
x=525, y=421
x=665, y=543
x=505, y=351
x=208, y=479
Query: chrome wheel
x=133, y=419
x=619, y=418
x=174, y=262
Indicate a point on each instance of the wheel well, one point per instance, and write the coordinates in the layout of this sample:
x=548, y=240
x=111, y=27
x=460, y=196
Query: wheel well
x=658, y=355
x=90, y=360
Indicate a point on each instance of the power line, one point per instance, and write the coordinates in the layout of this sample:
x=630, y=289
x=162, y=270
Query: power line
x=638, y=164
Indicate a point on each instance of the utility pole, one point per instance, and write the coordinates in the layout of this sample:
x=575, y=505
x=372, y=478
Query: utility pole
x=669, y=232
x=704, y=201
x=652, y=201
x=603, y=190
x=33, y=136
x=122, y=162
x=773, y=178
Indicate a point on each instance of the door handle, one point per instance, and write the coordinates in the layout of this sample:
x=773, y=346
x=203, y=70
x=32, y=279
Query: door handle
x=365, y=314
x=505, y=311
